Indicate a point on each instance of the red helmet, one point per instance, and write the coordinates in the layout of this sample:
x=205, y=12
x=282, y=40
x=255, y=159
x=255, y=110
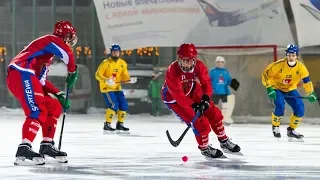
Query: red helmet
x=186, y=55
x=65, y=29
x=187, y=51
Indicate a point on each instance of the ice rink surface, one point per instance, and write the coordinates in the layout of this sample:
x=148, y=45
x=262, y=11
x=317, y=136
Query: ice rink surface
x=146, y=153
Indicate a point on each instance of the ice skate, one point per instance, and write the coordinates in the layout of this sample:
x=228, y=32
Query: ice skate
x=229, y=147
x=26, y=156
x=294, y=136
x=212, y=152
x=107, y=128
x=48, y=150
x=121, y=129
x=276, y=131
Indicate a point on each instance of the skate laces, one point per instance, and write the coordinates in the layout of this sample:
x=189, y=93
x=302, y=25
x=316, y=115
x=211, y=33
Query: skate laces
x=295, y=132
x=229, y=144
x=276, y=130
x=211, y=150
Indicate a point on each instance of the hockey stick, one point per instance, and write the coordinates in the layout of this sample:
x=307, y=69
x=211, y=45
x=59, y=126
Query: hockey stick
x=301, y=97
x=63, y=119
x=177, y=142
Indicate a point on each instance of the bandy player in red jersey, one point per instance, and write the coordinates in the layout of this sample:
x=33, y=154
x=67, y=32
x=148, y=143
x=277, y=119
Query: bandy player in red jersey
x=186, y=91
x=41, y=101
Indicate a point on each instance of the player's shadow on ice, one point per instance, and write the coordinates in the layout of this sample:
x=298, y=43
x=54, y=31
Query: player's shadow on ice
x=222, y=164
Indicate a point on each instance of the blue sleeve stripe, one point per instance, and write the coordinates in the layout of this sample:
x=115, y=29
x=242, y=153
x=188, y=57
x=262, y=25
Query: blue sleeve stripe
x=306, y=79
x=54, y=50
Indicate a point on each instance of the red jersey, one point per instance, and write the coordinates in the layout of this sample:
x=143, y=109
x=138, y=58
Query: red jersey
x=37, y=56
x=179, y=84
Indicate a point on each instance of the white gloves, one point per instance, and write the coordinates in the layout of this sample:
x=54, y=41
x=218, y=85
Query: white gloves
x=110, y=82
x=133, y=80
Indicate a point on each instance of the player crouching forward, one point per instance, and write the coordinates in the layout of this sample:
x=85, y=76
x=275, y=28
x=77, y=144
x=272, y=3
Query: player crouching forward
x=40, y=100
x=185, y=97
x=110, y=74
x=280, y=79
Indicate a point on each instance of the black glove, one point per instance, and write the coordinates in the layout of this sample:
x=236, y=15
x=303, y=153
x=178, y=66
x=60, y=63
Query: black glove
x=205, y=102
x=202, y=106
x=198, y=107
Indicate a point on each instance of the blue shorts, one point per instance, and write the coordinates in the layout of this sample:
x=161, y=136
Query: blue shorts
x=296, y=104
x=115, y=100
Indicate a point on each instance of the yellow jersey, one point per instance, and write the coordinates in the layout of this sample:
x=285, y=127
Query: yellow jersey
x=118, y=70
x=280, y=75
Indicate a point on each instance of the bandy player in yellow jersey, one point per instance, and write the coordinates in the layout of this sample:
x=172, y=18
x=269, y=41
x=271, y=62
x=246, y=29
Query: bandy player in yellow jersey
x=110, y=74
x=281, y=79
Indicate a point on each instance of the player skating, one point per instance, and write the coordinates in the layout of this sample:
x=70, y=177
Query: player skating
x=281, y=79
x=110, y=74
x=220, y=80
x=185, y=97
x=40, y=99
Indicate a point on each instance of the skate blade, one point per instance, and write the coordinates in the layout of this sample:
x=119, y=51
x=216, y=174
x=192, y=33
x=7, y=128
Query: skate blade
x=232, y=153
x=122, y=132
x=58, y=159
x=291, y=139
x=108, y=132
x=220, y=157
x=22, y=161
x=278, y=139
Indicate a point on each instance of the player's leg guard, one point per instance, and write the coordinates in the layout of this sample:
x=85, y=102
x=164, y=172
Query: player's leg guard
x=217, y=126
x=275, y=125
x=47, y=148
x=278, y=113
x=294, y=122
x=297, y=106
x=215, y=119
x=28, y=90
x=109, y=115
x=123, y=107
x=120, y=126
x=113, y=106
x=54, y=109
x=201, y=129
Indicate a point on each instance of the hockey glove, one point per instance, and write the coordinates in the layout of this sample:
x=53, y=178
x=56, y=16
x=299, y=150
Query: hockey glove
x=110, y=82
x=234, y=84
x=72, y=78
x=271, y=93
x=198, y=108
x=312, y=97
x=65, y=103
x=133, y=80
x=203, y=106
x=205, y=102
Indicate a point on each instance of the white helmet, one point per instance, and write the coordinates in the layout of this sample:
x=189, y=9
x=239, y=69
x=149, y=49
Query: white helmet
x=220, y=59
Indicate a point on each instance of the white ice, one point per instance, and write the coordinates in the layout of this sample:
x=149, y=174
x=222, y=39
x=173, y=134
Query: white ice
x=147, y=154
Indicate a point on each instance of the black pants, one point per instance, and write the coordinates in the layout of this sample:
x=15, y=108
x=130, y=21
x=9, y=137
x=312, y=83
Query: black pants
x=216, y=98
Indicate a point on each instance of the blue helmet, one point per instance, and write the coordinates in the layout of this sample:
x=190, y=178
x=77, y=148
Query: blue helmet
x=291, y=48
x=115, y=47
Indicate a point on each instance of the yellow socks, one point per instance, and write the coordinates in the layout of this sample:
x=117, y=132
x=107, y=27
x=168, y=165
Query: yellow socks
x=121, y=115
x=294, y=121
x=109, y=115
x=275, y=120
